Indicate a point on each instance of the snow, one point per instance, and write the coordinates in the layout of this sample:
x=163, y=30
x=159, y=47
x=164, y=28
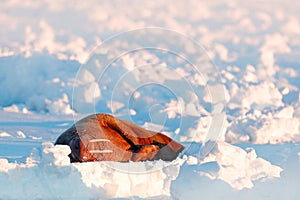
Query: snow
x=4, y=134
x=235, y=166
x=233, y=100
x=239, y=167
x=21, y=134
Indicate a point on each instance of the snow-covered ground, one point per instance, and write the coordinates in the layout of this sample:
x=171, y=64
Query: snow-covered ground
x=222, y=78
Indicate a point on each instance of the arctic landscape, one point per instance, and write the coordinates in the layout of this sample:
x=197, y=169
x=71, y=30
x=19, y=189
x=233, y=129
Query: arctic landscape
x=220, y=77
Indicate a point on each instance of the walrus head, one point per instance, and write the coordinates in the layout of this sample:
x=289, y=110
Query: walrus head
x=71, y=139
x=79, y=153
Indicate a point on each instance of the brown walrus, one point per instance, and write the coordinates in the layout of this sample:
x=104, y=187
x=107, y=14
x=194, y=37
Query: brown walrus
x=102, y=137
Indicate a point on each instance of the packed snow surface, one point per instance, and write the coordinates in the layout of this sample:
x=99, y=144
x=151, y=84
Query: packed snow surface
x=237, y=114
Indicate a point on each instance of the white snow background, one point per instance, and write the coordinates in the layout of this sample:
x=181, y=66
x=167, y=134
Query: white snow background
x=255, y=46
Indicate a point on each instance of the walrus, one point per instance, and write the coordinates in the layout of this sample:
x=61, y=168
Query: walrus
x=103, y=137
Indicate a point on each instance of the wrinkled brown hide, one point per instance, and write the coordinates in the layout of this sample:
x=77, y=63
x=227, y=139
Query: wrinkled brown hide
x=102, y=137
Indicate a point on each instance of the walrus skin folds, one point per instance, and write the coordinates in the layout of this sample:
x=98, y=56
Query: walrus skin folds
x=102, y=137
